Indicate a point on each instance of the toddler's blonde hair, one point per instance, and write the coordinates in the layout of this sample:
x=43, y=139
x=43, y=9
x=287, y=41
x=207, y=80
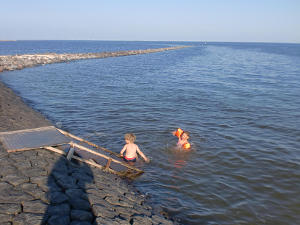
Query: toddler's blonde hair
x=130, y=137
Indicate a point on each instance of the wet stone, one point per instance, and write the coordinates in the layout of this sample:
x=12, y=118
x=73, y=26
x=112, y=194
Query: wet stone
x=108, y=221
x=116, y=201
x=160, y=220
x=143, y=211
x=137, y=220
x=81, y=215
x=98, y=200
x=100, y=211
x=134, y=198
x=126, y=212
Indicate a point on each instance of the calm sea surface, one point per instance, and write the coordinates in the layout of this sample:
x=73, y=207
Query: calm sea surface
x=239, y=101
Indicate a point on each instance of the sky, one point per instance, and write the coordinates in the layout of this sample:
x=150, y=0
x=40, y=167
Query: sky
x=152, y=20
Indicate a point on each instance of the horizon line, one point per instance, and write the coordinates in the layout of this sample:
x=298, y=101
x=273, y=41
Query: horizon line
x=262, y=42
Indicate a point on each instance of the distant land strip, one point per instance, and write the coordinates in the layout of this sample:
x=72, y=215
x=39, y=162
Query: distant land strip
x=18, y=62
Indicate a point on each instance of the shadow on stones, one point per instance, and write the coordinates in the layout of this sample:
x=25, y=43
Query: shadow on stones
x=68, y=200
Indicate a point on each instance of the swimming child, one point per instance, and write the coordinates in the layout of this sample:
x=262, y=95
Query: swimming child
x=131, y=149
x=183, y=137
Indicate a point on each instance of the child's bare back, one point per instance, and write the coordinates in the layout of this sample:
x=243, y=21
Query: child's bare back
x=131, y=150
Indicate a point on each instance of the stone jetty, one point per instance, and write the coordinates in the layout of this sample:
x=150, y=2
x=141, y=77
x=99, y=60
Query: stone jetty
x=17, y=62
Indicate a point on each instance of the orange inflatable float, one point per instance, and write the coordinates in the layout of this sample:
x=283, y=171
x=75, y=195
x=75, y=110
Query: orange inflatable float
x=186, y=146
x=178, y=134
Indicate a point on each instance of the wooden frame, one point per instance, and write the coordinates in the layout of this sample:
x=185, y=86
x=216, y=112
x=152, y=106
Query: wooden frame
x=131, y=171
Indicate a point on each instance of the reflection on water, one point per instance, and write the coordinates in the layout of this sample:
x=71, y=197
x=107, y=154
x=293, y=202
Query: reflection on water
x=240, y=103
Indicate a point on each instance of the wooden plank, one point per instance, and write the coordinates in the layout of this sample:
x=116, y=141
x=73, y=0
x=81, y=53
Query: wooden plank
x=99, y=147
x=56, y=150
x=81, y=159
x=104, y=156
x=88, y=142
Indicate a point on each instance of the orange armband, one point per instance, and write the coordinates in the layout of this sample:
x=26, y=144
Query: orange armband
x=187, y=146
x=178, y=132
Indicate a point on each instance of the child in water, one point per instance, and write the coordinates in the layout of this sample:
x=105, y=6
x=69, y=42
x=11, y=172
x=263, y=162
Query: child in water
x=183, y=137
x=131, y=149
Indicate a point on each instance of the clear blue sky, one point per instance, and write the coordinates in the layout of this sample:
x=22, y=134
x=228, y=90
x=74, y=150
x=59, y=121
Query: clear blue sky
x=185, y=20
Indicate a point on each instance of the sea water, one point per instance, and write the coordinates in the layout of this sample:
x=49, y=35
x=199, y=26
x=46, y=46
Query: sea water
x=239, y=101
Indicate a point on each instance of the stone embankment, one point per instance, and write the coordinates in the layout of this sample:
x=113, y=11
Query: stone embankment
x=17, y=62
x=39, y=187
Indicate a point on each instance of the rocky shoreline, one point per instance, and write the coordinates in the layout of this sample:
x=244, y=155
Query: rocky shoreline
x=42, y=187
x=18, y=62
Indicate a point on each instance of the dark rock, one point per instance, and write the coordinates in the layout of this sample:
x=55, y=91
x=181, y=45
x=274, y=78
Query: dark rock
x=59, y=220
x=57, y=197
x=74, y=193
x=63, y=209
x=67, y=182
x=78, y=203
x=76, y=222
x=81, y=215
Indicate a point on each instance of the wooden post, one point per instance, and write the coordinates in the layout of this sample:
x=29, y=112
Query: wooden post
x=108, y=163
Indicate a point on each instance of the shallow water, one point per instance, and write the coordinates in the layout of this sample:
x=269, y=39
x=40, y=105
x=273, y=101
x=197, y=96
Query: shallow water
x=239, y=101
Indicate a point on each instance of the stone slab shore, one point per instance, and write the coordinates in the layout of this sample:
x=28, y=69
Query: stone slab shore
x=41, y=187
x=18, y=62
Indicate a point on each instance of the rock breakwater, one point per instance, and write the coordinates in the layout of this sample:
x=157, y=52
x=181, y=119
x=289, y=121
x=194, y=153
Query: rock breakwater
x=17, y=62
